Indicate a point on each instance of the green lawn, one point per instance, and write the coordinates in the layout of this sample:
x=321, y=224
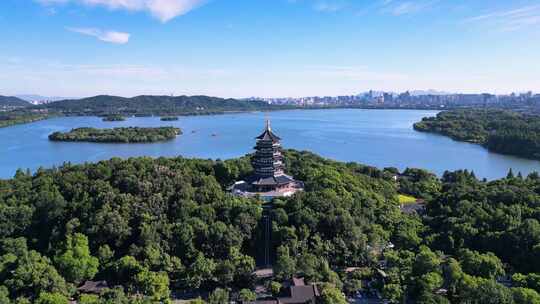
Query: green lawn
x=406, y=199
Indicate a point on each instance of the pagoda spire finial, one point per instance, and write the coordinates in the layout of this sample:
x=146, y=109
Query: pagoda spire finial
x=268, y=126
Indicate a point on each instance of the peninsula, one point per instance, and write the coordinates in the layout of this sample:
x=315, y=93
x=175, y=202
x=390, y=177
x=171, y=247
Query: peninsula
x=499, y=131
x=16, y=117
x=117, y=135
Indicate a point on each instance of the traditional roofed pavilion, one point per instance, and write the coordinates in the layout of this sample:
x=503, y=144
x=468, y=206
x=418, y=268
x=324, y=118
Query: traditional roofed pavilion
x=297, y=293
x=268, y=179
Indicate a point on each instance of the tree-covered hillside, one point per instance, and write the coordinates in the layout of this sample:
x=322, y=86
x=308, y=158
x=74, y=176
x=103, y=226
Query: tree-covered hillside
x=499, y=131
x=154, y=105
x=152, y=226
x=12, y=102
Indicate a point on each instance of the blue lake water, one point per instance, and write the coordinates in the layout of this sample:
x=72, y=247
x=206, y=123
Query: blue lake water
x=380, y=138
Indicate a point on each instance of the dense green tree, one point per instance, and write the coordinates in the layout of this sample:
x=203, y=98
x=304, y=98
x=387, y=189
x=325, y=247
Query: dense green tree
x=126, y=270
x=393, y=293
x=247, y=295
x=426, y=261
x=430, y=282
x=484, y=265
x=430, y=298
x=480, y=290
x=274, y=287
x=75, y=262
x=219, y=296
x=105, y=256
x=419, y=183
x=525, y=296
x=285, y=266
x=27, y=273
x=4, y=295
x=201, y=271
x=531, y=280
x=332, y=295
x=89, y=299
x=153, y=284
x=51, y=298
x=351, y=286
x=114, y=296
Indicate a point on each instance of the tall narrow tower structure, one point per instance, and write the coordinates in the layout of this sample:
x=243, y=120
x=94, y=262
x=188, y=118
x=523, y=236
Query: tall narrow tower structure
x=268, y=160
x=268, y=179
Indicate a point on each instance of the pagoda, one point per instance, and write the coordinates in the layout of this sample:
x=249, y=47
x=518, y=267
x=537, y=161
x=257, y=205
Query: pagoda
x=268, y=179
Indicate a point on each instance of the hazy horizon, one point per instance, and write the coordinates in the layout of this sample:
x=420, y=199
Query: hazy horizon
x=33, y=97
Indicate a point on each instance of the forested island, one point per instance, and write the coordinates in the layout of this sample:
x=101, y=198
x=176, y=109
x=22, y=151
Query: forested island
x=169, y=118
x=499, y=131
x=111, y=118
x=118, y=135
x=145, y=227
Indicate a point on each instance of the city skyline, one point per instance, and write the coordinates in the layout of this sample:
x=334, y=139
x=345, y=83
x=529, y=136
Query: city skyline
x=279, y=48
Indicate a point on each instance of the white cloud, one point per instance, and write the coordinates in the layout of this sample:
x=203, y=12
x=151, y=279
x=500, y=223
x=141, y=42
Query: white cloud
x=106, y=36
x=399, y=8
x=329, y=6
x=49, y=2
x=510, y=20
x=392, y=7
x=164, y=10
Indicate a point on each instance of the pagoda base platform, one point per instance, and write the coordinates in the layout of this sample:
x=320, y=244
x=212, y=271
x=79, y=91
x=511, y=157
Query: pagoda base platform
x=251, y=188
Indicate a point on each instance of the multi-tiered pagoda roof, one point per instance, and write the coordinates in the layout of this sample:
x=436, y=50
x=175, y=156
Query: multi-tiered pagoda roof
x=268, y=160
x=269, y=178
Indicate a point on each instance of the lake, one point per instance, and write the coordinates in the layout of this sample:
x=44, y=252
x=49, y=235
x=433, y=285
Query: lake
x=380, y=138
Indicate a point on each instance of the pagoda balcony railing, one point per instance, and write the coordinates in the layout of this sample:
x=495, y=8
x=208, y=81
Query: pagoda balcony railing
x=268, y=143
x=262, y=146
x=263, y=164
x=265, y=160
x=269, y=148
x=265, y=173
x=267, y=155
x=269, y=168
x=271, y=153
x=265, y=167
x=268, y=165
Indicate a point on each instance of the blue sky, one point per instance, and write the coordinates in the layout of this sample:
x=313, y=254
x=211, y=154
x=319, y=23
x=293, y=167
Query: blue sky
x=241, y=48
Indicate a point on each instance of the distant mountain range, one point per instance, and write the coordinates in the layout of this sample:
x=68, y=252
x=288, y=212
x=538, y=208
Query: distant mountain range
x=154, y=105
x=39, y=99
x=412, y=92
x=428, y=92
x=11, y=101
